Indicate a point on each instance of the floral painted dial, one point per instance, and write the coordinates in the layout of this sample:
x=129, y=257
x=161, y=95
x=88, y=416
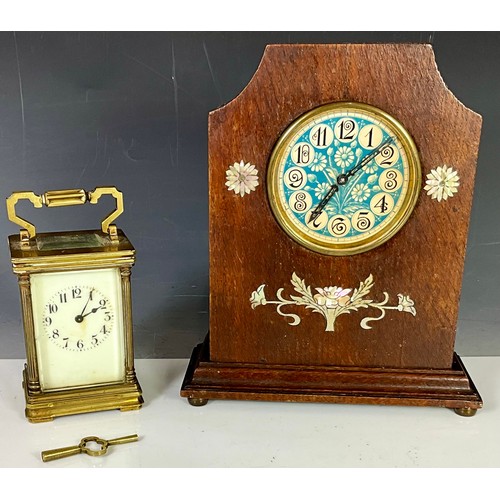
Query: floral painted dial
x=78, y=318
x=343, y=178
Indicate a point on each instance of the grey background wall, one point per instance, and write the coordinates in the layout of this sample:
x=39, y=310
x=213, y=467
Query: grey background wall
x=130, y=109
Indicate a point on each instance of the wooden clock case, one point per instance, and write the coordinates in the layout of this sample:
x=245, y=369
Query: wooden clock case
x=404, y=359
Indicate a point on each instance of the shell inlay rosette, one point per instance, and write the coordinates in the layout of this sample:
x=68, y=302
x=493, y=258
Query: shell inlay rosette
x=442, y=183
x=242, y=178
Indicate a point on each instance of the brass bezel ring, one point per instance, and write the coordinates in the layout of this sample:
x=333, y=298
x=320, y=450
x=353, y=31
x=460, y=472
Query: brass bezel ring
x=374, y=239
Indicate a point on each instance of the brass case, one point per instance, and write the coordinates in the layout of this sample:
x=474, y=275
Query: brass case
x=70, y=251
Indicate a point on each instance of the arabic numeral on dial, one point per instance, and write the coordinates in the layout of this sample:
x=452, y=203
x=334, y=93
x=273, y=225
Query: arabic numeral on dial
x=321, y=136
x=382, y=204
x=387, y=157
x=104, y=330
x=339, y=226
x=55, y=334
x=80, y=344
x=47, y=321
x=302, y=154
x=76, y=293
x=370, y=137
x=319, y=222
x=52, y=308
x=95, y=340
x=390, y=180
x=363, y=220
x=300, y=201
x=102, y=303
x=295, y=178
x=346, y=130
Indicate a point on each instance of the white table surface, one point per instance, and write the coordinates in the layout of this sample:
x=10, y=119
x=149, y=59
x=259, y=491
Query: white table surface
x=230, y=434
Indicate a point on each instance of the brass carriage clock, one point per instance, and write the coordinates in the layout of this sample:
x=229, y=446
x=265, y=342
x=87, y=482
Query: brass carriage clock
x=340, y=190
x=76, y=309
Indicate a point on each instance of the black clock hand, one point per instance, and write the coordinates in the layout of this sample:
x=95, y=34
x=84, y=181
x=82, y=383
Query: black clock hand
x=87, y=303
x=322, y=204
x=342, y=179
x=79, y=317
x=93, y=311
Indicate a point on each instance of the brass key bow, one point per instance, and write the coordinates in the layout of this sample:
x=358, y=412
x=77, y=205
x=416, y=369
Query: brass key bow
x=82, y=447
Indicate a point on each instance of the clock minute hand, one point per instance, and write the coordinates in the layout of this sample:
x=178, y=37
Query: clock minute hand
x=86, y=303
x=342, y=179
x=79, y=317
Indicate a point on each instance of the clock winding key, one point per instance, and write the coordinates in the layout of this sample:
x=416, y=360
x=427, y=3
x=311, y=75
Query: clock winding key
x=103, y=444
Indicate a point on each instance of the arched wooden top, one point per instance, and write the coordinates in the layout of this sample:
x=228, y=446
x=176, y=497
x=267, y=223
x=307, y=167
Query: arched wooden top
x=379, y=74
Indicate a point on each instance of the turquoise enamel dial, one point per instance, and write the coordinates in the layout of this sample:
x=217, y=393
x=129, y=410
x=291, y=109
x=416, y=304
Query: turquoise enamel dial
x=343, y=178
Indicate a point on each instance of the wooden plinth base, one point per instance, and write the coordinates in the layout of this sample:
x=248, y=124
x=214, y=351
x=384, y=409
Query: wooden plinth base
x=45, y=406
x=451, y=388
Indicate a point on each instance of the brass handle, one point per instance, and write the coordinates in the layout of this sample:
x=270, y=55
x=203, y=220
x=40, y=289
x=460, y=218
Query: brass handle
x=64, y=198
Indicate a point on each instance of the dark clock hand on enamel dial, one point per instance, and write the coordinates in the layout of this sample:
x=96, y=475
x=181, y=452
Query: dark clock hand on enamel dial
x=79, y=317
x=93, y=311
x=343, y=179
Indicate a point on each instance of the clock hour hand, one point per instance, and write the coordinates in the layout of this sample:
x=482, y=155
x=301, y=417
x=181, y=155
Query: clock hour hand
x=93, y=311
x=81, y=317
x=342, y=179
x=322, y=204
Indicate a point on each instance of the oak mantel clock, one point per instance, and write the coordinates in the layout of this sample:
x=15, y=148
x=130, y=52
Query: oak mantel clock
x=341, y=184
x=76, y=308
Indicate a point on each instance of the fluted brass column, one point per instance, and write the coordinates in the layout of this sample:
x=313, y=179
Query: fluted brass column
x=128, y=324
x=33, y=379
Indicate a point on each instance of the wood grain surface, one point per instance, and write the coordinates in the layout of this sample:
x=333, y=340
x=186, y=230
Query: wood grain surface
x=424, y=260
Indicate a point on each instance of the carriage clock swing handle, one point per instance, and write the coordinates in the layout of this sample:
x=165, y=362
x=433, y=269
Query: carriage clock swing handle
x=64, y=198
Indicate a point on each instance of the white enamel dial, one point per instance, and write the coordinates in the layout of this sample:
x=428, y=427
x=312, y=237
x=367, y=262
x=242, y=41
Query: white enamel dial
x=78, y=328
x=78, y=318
